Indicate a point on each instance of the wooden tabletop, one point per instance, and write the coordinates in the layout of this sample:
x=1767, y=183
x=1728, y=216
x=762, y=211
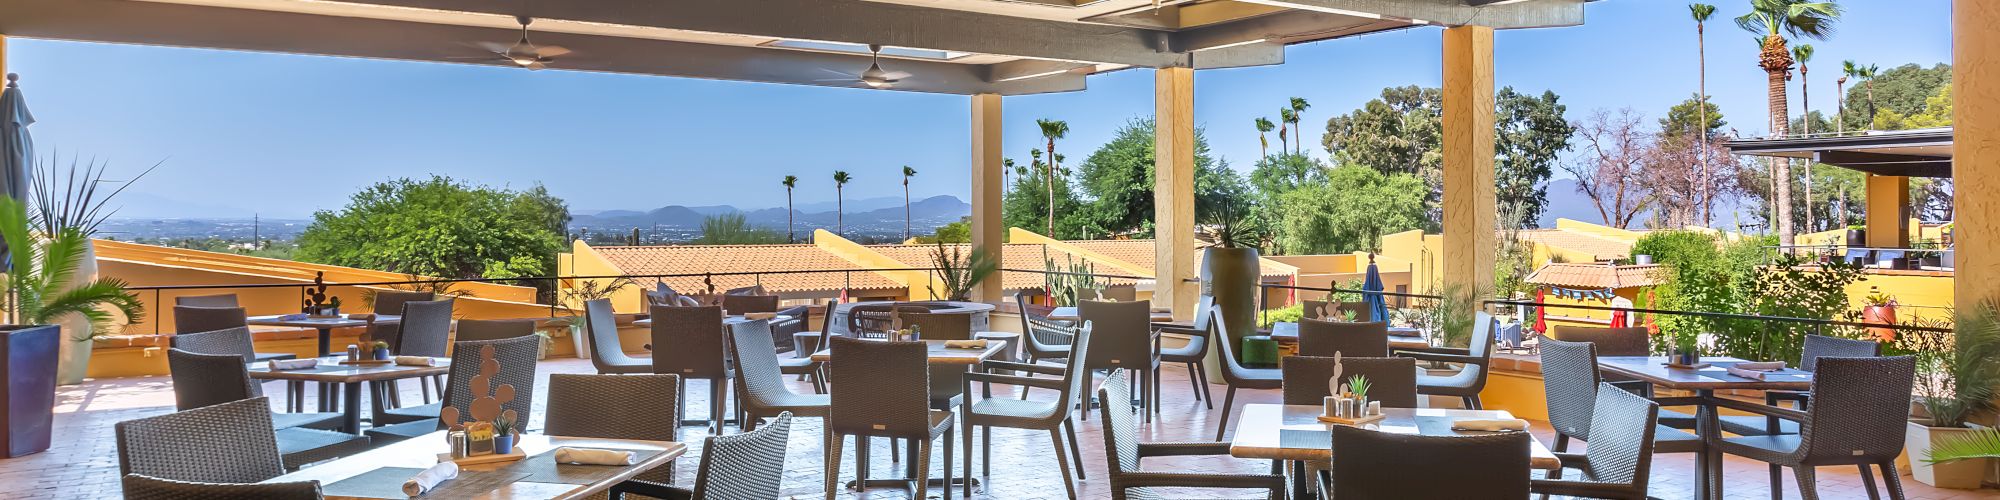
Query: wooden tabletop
x=939, y=354
x=1069, y=313
x=1262, y=430
x=340, y=322
x=1716, y=376
x=1399, y=337
x=726, y=320
x=331, y=371
x=560, y=482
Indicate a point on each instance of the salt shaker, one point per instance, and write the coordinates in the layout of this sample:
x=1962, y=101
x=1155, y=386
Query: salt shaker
x=457, y=439
x=353, y=352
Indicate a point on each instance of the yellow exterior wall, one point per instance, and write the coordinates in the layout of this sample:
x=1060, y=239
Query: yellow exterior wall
x=1420, y=254
x=1599, y=230
x=1919, y=294
x=582, y=260
x=280, y=268
x=919, y=283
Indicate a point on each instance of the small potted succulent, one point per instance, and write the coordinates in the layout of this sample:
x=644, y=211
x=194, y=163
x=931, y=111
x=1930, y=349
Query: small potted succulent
x=381, y=350
x=503, y=434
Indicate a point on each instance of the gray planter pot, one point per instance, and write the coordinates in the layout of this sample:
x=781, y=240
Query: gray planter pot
x=28, y=385
x=1230, y=276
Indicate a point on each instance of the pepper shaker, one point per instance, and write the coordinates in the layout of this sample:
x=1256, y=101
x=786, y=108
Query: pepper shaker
x=353, y=352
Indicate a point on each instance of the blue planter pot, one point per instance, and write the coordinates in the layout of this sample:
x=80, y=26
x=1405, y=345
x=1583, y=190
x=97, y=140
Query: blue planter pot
x=382, y=354
x=28, y=385
x=503, y=444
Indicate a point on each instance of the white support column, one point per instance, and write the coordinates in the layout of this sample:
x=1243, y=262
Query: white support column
x=1173, y=191
x=1470, y=206
x=987, y=227
x=1975, y=151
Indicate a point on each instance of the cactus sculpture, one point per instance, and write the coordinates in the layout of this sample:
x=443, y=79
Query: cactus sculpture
x=485, y=407
x=316, y=294
x=1333, y=385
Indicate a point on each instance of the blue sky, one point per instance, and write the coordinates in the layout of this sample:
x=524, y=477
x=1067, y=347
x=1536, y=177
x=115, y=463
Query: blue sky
x=285, y=135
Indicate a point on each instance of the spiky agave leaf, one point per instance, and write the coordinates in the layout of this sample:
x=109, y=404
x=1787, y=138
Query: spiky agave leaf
x=1980, y=443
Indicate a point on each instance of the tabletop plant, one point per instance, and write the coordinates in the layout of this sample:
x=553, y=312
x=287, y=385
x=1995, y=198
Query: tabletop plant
x=34, y=293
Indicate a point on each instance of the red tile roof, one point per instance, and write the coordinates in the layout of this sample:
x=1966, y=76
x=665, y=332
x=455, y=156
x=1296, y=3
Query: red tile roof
x=1595, y=276
x=1602, y=248
x=686, y=259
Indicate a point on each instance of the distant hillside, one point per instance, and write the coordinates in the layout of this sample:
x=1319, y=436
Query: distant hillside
x=863, y=216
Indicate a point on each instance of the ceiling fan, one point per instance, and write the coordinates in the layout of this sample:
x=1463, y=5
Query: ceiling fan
x=874, y=76
x=523, y=53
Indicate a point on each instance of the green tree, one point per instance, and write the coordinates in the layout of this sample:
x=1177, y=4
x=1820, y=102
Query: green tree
x=955, y=232
x=1299, y=106
x=1264, y=145
x=1401, y=132
x=1701, y=12
x=1118, y=179
x=1773, y=19
x=840, y=179
x=1277, y=175
x=1848, y=69
x=1905, y=89
x=1349, y=212
x=734, y=229
x=1026, y=204
x=1935, y=113
x=1532, y=133
x=790, y=182
x=1686, y=117
x=441, y=227
x=1288, y=119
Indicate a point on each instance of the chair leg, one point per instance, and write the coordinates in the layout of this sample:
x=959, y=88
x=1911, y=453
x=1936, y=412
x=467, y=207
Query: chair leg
x=985, y=454
x=923, y=468
x=819, y=384
x=1806, y=489
x=1472, y=402
x=1062, y=462
x=947, y=466
x=716, y=405
x=1228, y=406
x=969, y=429
x=1146, y=401
x=1069, y=427
x=1891, y=481
x=1562, y=445
x=832, y=450
x=1868, y=481
x=1778, y=482
x=1201, y=370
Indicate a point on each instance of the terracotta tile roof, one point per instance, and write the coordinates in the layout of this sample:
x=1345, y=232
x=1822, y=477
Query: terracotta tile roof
x=685, y=259
x=1022, y=256
x=1595, y=276
x=1602, y=248
x=1140, y=253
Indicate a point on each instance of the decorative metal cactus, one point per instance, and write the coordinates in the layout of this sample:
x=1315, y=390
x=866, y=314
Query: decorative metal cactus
x=316, y=294
x=485, y=406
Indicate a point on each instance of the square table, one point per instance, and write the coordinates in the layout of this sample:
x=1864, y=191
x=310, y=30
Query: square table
x=1262, y=430
x=350, y=378
x=1703, y=383
x=1070, y=313
x=566, y=482
x=1399, y=337
x=325, y=326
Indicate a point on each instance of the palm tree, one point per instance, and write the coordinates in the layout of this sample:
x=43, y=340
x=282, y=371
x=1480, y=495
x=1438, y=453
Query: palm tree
x=1847, y=70
x=840, y=179
x=907, y=174
x=1773, y=19
x=1868, y=80
x=1701, y=13
x=1285, y=118
x=1299, y=106
x=1803, y=53
x=1263, y=126
x=1052, y=130
x=791, y=181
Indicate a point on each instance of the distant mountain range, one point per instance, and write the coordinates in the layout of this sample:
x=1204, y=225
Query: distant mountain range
x=866, y=216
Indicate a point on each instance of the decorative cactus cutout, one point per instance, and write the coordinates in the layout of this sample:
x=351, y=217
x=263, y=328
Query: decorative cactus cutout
x=1333, y=385
x=485, y=407
x=316, y=294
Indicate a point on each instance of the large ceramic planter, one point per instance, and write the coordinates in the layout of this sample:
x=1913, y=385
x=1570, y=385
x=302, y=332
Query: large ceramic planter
x=1884, y=314
x=1230, y=276
x=28, y=385
x=1963, y=474
x=75, y=353
x=579, y=337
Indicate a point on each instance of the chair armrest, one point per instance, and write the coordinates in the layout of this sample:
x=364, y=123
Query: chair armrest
x=1431, y=356
x=995, y=378
x=1572, y=460
x=652, y=489
x=1152, y=479
x=1182, y=329
x=1768, y=411
x=1170, y=449
x=1025, y=367
x=1579, y=488
x=1772, y=397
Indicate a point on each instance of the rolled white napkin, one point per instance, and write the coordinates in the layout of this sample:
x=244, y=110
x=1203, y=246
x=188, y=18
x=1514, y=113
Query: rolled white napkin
x=966, y=344
x=1749, y=374
x=759, y=315
x=1760, y=366
x=594, y=456
x=294, y=364
x=1495, y=425
x=416, y=361
x=429, y=478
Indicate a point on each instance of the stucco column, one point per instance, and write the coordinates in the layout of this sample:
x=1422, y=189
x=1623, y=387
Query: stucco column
x=1470, y=207
x=3, y=55
x=986, y=168
x=1888, y=211
x=1173, y=191
x=1975, y=85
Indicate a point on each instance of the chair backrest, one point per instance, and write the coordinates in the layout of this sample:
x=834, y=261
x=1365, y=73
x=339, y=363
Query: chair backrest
x=1122, y=331
x=1610, y=341
x=233, y=341
x=897, y=402
x=1315, y=309
x=746, y=290
x=1233, y=371
x=517, y=367
x=144, y=487
x=218, y=300
x=1569, y=383
x=746, y=465
x=940, y=326
x=226, y=443
x=1859, y=410
x=494, y=329
x=602, y=323
x=1621, y=444
x=826, y=318
x=426, y=328
x=208, y=379
x=391, y=301
x=687, y=341
x=613, y=406
x=1393, y=381
x=1375, y=464
x=875, y=320
x=1484, y=328
x=1821, y=346
x=759, y=380
x=1323, y=338
x=1121, y=426
x=1074, y=372
x=208, y=319
x=1120, y=293
x=1043, y=332
x=741, y=304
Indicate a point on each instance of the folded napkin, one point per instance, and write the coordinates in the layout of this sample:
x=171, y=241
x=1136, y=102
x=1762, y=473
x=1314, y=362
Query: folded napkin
x=1511, y=424
x=762, y=315
x=294, y=364
x=1760, y=366
x=293, y=317
x=594, y=456
x=362, y=317
x=1749, y=374
x=429, y=478
x=416, y=361
x=965, y=344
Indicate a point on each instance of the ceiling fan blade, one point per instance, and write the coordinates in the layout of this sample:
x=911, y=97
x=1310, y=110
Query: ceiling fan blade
x=548, y=51
x=896, y=75
x=536, y=66
x=497, y=48
x=849, y=80
x=849, y=74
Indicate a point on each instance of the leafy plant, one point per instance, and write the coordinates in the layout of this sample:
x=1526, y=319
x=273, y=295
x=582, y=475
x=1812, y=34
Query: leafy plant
x=1980, y=443
x=72, y=201
x=378, y=346
x=1453, y=314
x=959, y=272
x=1790, y=287
x=1287, y=314
x=1876, y=298
x=1358, y=385
x=34, y=292
x=1231, y=227
x=504, y=425
x=592, y=289
x=1959, y=381
x=1062, y=282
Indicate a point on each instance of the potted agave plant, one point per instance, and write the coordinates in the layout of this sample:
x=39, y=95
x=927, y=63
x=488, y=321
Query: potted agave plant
x=1954, y=384
x=1229, y=274
x=70, y=201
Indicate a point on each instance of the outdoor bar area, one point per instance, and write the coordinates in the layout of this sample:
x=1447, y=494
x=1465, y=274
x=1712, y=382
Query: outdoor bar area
x=843, y=369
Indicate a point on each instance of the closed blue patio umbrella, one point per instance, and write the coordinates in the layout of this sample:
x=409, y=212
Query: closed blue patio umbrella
x=1371, y=292
x=16, y=149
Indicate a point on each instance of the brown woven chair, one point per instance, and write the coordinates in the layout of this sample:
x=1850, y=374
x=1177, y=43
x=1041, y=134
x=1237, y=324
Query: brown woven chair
x=1123, y=338
x=493, y=329
x=760, y=386
x=615, y=407
x=391, y=302
x=1052, y=416
x=873, y=321
x=1375, y=464
x=895, y=404
x=1609, y=341
x=1471, y=375
x=204, y=379
x=1361, y=340
x=784, y=332
x=225, y=443
x=238, y=341
x=1816, y=347
x=1571, y=382
x=607, y=353
x=1393, y=381
x=1194, y=354
x=1359, y=310
x=688, y=341
x=747, y=465
x=1620, y=459
x=1235, y=375
x=218, y=300
x=144, y=487
x=935, y=326
x=804, y=344
x=742, y=304
x=208, y=319
x=517, y=367
x=1123, y=452
x=1859, y=409
x=426, y=328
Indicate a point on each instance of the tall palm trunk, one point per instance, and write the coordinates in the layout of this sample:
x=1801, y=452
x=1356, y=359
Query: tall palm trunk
x=1776, y=60
x=790, y=236
x=906, y=208
x=1840, y=106
x=1049, y=182
x=1701, y=54
x=840, y=211
x=1805, y=121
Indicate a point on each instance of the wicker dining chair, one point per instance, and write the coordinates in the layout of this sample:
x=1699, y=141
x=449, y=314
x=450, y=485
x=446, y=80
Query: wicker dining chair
x=739, y=466
x=607, y=353
x=1124, y=339
x=144, y=487
x=238, y=341
x=1860, y=407
x=1040, y=415
x=784, y=332
x=208, y=319
x=804, y=344
x=1123, y=452
x=1359, y=311
x=873, y=321
x=424, y=329
x=391, y=302
x=217, y=300
x=1609, y=341
x=1235, y=375
x=516, y=357
x=743, y=304
x=1816, y=347
x=939, y=326
x=889, y=396
x=493, y=329
x=1619, y=460
x=208, y=379
x=760, y=385
x=1045, y=338
x=615, y=407
x=225, y=443
x=1474, y=360
x=1375, y=464
x=688, y=341
x=1393, y=381
x=1571, y=382
x=1194, y=354
x=1323, y=338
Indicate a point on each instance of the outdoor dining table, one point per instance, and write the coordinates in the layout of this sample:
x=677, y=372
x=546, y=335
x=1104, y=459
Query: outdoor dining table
x=379, y=473
x=350, y=378
x=1287, y=332
x=325, y=326
x=1703, y=383
x=942, y=359
x=1294, y=433
x=1069, y=313
x=726, y=320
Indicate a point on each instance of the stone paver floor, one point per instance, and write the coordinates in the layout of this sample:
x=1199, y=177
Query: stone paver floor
x=83, y=462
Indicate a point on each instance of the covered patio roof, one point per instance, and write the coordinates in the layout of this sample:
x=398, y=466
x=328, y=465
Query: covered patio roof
x=1901, y=153
x=945, y=46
